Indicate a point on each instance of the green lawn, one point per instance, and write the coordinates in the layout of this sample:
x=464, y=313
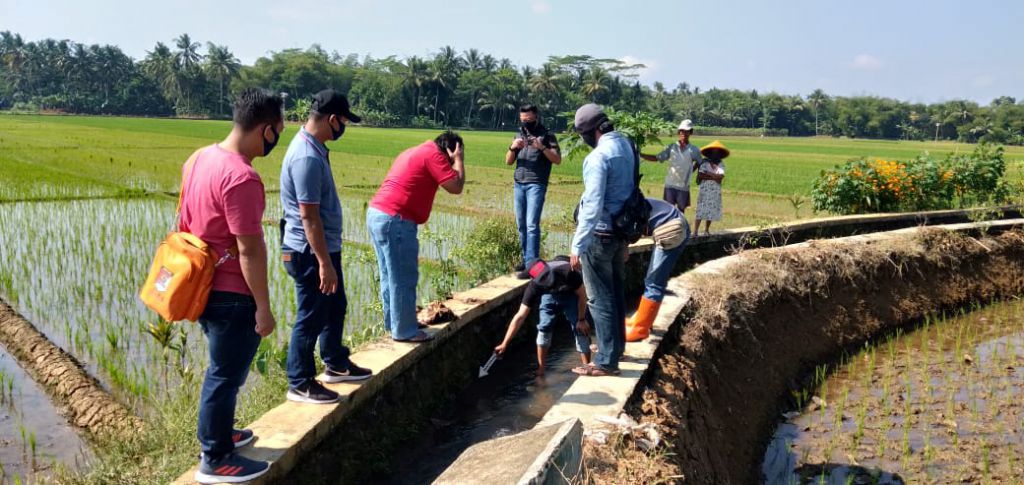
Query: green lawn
x=46, y=157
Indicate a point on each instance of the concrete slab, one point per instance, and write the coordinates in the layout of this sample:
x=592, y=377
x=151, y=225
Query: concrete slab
x=542, y=455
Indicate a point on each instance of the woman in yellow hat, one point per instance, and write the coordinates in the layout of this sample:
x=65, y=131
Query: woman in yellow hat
x=709, y=180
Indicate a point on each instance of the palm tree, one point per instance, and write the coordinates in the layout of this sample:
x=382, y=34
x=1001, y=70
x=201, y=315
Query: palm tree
x=415, y=78
x=595, y=82
x=544, y=85
x=488, y=64
x=223, y=65
x=188, y=55
x=159, y=65
x=473, y=59
x=439, y=74
x=186, y=60
x=817, y=99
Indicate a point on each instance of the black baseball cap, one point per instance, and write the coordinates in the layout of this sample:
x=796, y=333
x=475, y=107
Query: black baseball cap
x=331, y=102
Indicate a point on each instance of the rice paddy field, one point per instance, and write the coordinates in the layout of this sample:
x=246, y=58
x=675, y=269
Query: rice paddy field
x=940, y=404
x=85, y=200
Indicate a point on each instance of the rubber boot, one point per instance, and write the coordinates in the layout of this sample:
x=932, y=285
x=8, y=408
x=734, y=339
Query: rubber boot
x=638, y=327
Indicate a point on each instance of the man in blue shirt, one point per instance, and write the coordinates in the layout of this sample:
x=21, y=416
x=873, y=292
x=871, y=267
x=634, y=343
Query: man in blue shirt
x=608, y=181
x=669, y=229
x=311, y=252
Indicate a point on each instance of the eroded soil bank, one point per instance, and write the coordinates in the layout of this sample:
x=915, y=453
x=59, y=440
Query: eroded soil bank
x=768, y=317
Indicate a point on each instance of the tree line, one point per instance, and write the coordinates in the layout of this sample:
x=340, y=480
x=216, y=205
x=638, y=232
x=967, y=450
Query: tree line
x=467, y=89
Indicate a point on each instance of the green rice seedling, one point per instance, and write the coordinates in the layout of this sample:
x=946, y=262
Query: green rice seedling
x=32, y=445
x=861, y=418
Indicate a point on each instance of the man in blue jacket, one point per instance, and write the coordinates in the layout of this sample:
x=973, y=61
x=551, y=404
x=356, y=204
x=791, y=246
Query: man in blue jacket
x=608, y=181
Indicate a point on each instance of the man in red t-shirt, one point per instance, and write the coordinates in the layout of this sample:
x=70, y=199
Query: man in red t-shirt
x=223, y=204
x=403, y=201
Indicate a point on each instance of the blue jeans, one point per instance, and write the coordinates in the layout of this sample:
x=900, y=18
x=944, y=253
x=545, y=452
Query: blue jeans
x=550, y=306
x=394, y=241
x=660, y=270
x=229, y=322
x=318, y=317
x=529, y=203
x=603, y=275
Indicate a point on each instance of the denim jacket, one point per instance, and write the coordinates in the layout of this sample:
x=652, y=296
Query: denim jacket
x=608, y=181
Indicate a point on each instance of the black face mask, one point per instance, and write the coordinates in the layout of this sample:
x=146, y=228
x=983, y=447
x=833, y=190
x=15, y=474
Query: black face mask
x=335, y=134
x=590, y=139
x=268, y=146
x=530, y=126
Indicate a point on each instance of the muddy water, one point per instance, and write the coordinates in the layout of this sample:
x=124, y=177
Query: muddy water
x=511, y=399
x=26, y=415
x=941, y=404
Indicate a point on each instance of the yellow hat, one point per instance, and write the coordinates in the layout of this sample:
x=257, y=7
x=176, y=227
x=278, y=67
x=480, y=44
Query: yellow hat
x=715, y=145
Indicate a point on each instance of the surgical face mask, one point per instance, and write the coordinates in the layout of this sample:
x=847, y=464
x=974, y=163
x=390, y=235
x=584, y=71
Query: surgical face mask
x=589, y=138
x=268, y=146
x=335, y=134
x=530, y=125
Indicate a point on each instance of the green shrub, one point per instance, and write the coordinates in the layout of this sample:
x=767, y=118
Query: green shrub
x=865, y=186
x=490, y=250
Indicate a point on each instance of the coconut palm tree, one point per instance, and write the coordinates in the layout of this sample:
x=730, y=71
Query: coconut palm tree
x=817, y=99
x=186, y=60
x=159, y=65
x=595, y=82
x=415, y=73
x=223, y=65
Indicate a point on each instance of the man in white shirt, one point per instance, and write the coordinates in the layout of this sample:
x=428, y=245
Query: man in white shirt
x=683, y=159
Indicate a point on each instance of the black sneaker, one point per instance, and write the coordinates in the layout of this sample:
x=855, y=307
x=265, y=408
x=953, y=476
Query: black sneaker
x=232, y=468
x=520, y=267
x=523, y=275
x=353, y=373
x=312, y=392
x=242, y=437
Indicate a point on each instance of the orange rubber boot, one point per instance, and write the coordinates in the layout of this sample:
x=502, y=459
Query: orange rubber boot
x=638, y=327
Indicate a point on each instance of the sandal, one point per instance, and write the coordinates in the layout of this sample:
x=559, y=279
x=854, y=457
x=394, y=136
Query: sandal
x=420, y=337
x=591, y=370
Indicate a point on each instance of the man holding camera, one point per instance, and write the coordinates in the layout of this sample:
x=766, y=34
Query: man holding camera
x=533, y=150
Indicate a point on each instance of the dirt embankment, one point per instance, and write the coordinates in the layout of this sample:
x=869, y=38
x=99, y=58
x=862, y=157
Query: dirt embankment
x=79, y=395
x=771, y=316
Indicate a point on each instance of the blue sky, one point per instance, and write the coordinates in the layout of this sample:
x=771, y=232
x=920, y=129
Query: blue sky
x=908, y=49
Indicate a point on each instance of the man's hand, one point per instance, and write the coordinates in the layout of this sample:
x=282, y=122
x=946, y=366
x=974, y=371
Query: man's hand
x=574, y=263
x=501, y=348
x=328, y=279
x=455, y=154
x=583, y=328
x=537, y=143
x=518, y=144
x=265, y=322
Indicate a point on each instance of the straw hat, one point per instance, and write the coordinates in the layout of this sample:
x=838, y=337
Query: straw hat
x=715, y=145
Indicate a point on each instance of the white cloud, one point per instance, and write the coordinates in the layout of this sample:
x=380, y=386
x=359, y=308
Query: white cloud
x=866, y=62
x=540, y=6
x=650, y=65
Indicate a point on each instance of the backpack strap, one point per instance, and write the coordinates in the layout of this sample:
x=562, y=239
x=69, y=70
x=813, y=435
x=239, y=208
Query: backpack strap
x=189, y=167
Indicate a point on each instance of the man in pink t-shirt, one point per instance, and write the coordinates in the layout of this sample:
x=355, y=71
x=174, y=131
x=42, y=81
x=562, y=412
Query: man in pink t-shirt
x=223, y=204
x=403, y=201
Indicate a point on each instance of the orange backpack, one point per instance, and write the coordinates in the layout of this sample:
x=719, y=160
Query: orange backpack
x=181, y=275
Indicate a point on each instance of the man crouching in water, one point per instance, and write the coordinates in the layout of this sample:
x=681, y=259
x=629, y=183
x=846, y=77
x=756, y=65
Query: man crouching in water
x=555, y=287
